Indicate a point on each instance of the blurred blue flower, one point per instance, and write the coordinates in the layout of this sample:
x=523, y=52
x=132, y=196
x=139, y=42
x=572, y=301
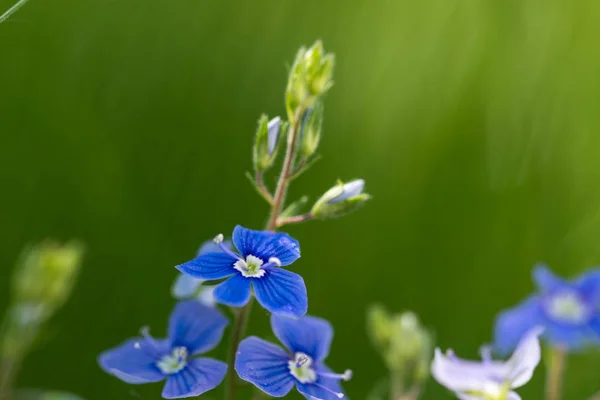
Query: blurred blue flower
x=275, y=371
x=489, y=379
x=193, y=329
x=255, y=271
x=186, y=286
x=568, y=310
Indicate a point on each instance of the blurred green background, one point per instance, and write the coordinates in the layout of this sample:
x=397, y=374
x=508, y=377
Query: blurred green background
x=128, y=124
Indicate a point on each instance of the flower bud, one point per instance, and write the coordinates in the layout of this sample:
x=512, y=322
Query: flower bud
x=379, y=325
x=405, y=345
x=340, y=200
x=311, y=131
x=310, y=77
x=46, y=273
x=265, y=144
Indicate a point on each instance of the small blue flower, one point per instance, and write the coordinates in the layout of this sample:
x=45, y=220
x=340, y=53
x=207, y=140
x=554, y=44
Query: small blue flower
x=256, y=271
x=568, y=310
x=193, y=329
x=489, y=379
x=275, y=371
x=186, y=287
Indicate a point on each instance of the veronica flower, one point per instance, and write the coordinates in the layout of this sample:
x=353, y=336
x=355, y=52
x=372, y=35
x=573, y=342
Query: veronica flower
x=568, y=310
x=275, y=371
x=255, y=270
x=186, y=286
x=489, y=379
x=193, y=330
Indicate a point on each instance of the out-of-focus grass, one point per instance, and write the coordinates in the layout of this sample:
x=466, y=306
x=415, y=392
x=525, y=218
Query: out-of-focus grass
x=475, y=124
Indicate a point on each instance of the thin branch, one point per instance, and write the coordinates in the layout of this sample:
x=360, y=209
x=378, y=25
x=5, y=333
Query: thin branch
x=12, y=10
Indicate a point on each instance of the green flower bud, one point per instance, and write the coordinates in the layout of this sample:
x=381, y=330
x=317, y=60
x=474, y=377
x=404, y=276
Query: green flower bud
x=341, y=199
x=411, y=347
x=379, y=325
x=266, y=141
x=310, y=77
x=45, y=275
x=311, y=132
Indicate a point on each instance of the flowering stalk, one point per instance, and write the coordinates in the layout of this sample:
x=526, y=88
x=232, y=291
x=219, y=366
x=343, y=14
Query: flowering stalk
x=243, y=314
x=12, y=10
x=556, y=369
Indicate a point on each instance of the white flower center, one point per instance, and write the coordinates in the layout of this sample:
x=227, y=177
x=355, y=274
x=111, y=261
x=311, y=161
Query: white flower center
x=491, y=391
x=568, y=307
x=251, y=267
x=300, y=368
x=174, y=362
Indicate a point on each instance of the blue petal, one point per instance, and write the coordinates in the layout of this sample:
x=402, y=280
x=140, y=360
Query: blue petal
x=185, y=286
x=595, y=327
x=281, y=292
x=513, y=324
x=135, y=364
x=265, y=365
x=323, y=388
x=309, y=335
x=200, y=375
x=234, y=292
x=264, y=245
x=571, y=337
x=546, y=281
x=209, y=266
x=588, y=286
x=196, y=327
x=211, y=247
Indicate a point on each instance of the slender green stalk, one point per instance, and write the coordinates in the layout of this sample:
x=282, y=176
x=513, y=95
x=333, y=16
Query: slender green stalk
x=556, y=370
x=396, y=386
x=8, y=373
x=12, y=10
x=243, y=314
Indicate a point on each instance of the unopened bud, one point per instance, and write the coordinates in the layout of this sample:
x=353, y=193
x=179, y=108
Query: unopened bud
x=310, y=77
x=311, y=132
x=265, y=143
x=340, y=200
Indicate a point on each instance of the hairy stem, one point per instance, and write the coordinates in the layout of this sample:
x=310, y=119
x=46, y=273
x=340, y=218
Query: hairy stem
x=556, y=369
x=243, y=314
x=12, y=10
x=294, y=220
x=282, y=184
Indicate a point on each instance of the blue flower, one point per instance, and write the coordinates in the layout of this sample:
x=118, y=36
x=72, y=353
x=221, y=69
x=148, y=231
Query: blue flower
x=275, y=371
x=186, y=287
x=193, y=329
x=568, y=310
x=256, y=271
x=489, y=379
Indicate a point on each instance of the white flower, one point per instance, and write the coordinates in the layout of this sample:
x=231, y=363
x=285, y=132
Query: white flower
x=489, y=379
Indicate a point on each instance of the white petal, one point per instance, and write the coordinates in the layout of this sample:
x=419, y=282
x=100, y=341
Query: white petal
x=525, y=359
x=513, y=396
x=457, y=375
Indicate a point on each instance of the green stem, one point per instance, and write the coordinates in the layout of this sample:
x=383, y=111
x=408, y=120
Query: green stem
x=396, y=386
x=243, y=314
x=12, y=10
x=8, y=373
x=556, y=370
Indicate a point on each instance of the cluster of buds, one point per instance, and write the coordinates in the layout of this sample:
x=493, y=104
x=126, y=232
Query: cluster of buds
x=310, y=78
x=405, y=345
x=43, y=281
